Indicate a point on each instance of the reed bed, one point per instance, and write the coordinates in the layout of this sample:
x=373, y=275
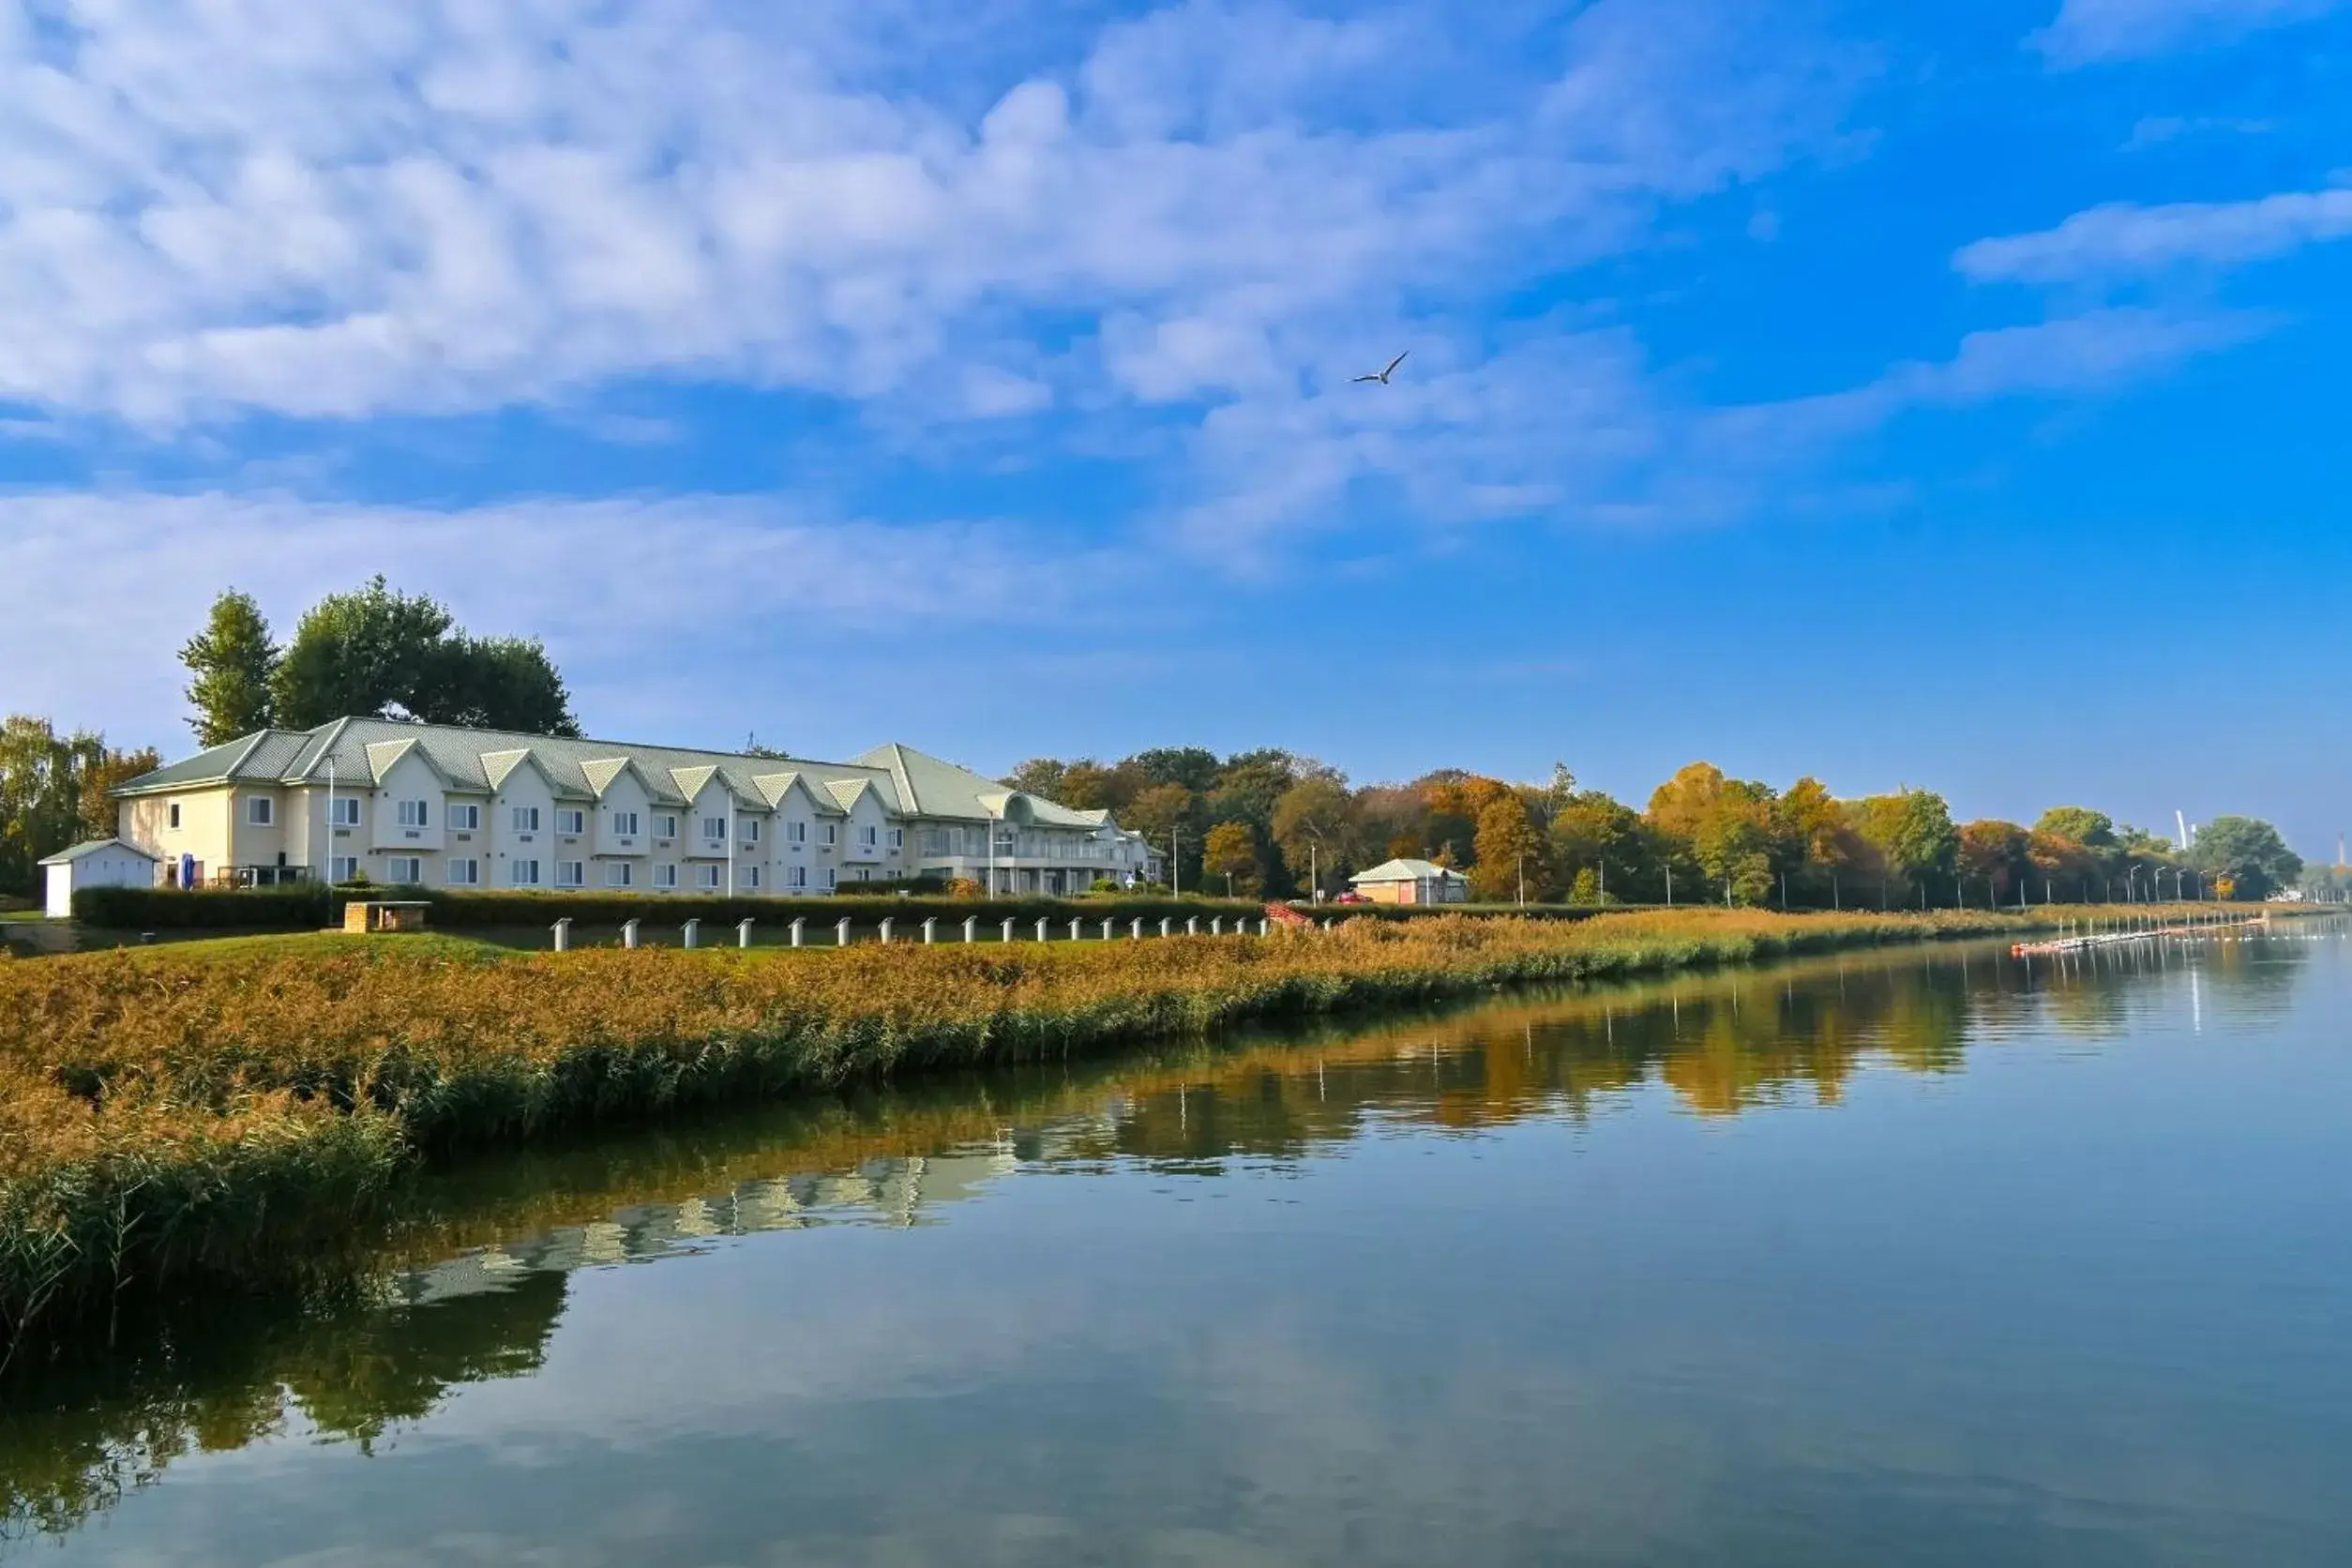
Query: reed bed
x=169, y=1114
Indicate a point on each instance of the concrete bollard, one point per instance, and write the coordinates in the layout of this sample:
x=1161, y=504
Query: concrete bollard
x=1074, y=922
x=800, y=928
x=562, y=929
x=1261, y=927
x=1107, y=931
x=930, y=923
x=1192, y=924
x=971, y=927
x=691, y=933
x=742, y=933
x=1216, y=925
x=1041, y=930
x=1167, y=924
x=842, y=934
x=628, y=933
x=1327, y=923
x=885, y=930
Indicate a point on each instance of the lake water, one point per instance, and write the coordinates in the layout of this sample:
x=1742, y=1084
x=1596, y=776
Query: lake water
x=1899, y=1258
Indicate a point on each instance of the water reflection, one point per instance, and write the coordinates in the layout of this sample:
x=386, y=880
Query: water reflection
x=477, y=1281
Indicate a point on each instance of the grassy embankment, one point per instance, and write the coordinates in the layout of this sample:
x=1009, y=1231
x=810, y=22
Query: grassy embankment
x=220, y=1109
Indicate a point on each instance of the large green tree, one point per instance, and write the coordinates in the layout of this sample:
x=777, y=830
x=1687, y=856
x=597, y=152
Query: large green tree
x=1913, y=833
x=374, y=651
x=1510, y=862
x=2245, y=857
x=54, y=792
x=232, y=660
x=1232, y=855
x=1314, y=826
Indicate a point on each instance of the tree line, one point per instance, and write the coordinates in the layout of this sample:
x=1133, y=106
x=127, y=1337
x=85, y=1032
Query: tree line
x=56, y=792
x=1275, y=824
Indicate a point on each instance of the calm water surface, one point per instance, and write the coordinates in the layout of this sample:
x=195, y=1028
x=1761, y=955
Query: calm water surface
x=1886, y=1260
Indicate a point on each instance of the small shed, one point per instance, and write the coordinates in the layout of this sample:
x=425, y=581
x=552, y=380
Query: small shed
x=100, y=862
x=1411, y=881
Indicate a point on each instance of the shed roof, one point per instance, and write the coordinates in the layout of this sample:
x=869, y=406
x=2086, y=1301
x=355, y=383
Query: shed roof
x=90, y=847
x=1407, y=870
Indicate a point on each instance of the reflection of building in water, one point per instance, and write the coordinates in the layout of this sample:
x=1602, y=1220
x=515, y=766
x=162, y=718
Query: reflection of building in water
x=893, y=1191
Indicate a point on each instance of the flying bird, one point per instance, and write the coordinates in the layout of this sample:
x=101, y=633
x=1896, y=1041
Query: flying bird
x=1382, y=377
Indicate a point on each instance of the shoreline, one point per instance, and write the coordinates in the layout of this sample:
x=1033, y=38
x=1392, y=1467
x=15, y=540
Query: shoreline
x=238, y=1117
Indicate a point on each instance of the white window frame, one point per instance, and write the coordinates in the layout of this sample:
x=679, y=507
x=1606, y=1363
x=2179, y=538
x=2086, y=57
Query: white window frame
x=515, y=869
x=343, y=811
x=619, y=873
x=570, y=820
x=868, y=837
x=463, y=873
x=466, y=818
x=750, y=829
x=750, y=875
x=260, y=811
x=525, y=819
x=665, y=875
x=412, y=813
x=707, y=878
x=796, y=875
x=833, y=878
x=342, y=868
x=714, y=830
x=666, y=824
x=625, y=825
x=571, y=873
x=832, y=834
x=796, y=833
x=414, y=865
x=897, y=839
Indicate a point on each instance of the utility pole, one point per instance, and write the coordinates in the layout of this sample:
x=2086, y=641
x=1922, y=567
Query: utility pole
x=1175, y=866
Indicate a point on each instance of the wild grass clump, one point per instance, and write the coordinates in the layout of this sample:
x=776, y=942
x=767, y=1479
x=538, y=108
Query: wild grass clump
x=176, y=1113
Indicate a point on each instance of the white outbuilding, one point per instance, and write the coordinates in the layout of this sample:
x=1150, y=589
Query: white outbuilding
x=100, y=862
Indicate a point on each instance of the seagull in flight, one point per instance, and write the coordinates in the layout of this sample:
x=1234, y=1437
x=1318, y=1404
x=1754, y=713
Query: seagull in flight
x=1382, y=377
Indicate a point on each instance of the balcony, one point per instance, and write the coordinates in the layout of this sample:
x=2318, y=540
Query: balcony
x=260, y=876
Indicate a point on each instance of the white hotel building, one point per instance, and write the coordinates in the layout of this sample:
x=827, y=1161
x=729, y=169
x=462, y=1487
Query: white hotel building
x=430, y=805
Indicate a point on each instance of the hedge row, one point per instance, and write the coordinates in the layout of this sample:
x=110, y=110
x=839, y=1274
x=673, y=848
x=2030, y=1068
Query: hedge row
x=312, y=908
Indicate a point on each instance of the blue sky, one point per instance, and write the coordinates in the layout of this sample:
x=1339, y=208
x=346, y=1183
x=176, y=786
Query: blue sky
x=1935, y=394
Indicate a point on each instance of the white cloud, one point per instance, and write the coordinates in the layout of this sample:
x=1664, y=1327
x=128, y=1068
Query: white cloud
x=2122, y=239
x=2096, y=351
x=207, y=208
x=637, y=600
x=2092, y=30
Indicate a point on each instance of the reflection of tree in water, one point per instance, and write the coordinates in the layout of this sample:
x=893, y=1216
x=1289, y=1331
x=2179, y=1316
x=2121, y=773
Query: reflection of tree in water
x=1723, y=1044
x=72, y=1443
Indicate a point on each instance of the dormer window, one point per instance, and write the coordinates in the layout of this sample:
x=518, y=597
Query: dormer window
x=570, y=820
x=715, y=829
x=412, y=813
x=625, y=825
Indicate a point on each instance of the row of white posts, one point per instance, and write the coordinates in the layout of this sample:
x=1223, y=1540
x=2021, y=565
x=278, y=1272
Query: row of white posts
x=692, y=931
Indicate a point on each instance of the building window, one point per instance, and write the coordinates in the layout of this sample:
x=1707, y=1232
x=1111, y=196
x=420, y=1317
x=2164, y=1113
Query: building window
x=465, y=873
x=405, y=870
x=571, y=873
x=625, y=825
x=258, y=810
x=751, y=876
x=666, y=825
x=526, y=819
x=707, y=876
x=466, y=819
x=832, y=834
x=523, y=873
x=569, y=820
x=796, y=875
x=867, y=837
x=618, y=873
x=715, y=829
x=934, y=840
x=864, y=873
x=751, y=830
x=830, y=878
x=665, y=875
x=343, y=811
x=897, y=839
x=412, y=813
x=796, y=833
x=342, y=869
x=172, y=812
